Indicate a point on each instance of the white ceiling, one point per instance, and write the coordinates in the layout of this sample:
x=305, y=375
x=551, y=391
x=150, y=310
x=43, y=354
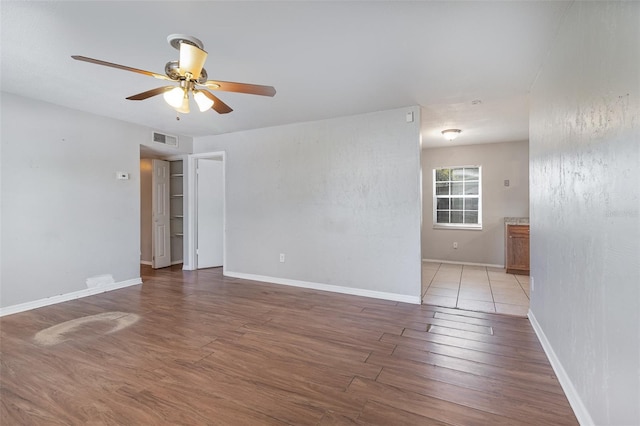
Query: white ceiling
x=326, y=59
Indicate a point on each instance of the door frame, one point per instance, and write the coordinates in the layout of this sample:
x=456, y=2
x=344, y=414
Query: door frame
x=191, y=259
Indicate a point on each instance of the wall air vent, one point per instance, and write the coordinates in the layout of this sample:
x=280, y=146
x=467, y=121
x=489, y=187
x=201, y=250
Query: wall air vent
x=165, y=139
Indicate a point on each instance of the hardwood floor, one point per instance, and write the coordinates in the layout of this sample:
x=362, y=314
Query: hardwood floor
x=198, y=348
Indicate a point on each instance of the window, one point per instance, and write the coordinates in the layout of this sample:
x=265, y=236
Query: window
x=457, y=200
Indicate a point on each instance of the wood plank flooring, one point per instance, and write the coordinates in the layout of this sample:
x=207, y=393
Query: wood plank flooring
x=207, y=349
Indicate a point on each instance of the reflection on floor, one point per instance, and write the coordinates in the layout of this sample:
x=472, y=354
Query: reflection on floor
x=476, y=288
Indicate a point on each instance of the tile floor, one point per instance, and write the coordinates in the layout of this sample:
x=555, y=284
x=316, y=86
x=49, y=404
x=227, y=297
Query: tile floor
x=477, y=288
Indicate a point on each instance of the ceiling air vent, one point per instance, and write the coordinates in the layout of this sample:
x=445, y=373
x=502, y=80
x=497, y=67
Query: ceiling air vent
x=165, y=139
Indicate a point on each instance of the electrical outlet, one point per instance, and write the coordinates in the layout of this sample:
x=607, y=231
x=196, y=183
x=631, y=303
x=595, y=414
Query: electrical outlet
x=532, y=285
x=281, y=257
x=455, y=244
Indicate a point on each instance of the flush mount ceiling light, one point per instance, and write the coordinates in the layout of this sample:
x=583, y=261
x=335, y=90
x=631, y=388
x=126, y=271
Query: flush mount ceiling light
x=451, y=134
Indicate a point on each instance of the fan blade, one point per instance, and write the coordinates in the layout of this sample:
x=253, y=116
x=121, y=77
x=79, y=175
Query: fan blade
x=149, y=93
x=251, y=89
x=218, y=106
x=121, y=67
x=191, y=60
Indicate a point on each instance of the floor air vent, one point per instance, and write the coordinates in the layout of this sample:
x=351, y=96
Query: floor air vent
x=165, y=139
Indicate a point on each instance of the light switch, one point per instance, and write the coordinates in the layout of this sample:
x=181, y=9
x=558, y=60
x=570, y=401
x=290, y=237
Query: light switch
x=122, y=176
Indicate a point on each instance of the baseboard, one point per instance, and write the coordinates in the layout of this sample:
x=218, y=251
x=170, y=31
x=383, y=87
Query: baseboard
x=145, y=262
x=328, y=287
x=451, y=262
x=581, y=412
x=27, y=306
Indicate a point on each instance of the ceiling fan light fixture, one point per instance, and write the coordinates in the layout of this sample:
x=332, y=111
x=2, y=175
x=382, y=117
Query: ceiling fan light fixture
x=187, y=72
x=451, y=134
x=204, y=103
x=174, y=96
x=192, y=60
x=184, y=106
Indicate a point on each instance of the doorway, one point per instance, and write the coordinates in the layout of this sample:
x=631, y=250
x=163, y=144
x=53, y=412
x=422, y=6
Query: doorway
x=206, y=210
x=161, y=209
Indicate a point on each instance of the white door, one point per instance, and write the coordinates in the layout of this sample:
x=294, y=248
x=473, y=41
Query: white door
x=210, y=195
x=161, y=235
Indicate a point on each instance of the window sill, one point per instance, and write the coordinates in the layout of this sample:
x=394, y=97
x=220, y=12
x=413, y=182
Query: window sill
x=458, y=227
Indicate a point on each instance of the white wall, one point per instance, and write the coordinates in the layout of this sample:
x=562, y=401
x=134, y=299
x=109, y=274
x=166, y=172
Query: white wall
x=499, y=161
x=65, y=216
x=585, y=209
x=340, y=197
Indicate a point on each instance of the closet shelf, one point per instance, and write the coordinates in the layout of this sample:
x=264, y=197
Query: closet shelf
x=177, y=195
x=177, y=175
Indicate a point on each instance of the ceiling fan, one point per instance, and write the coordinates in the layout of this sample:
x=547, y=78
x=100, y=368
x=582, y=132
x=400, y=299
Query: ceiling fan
x=191, y=76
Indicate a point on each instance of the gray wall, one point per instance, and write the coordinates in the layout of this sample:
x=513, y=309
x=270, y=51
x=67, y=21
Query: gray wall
x=585, y=203
x=340, y=197
x=65, y=217
x=146, y=211
x=499, y=161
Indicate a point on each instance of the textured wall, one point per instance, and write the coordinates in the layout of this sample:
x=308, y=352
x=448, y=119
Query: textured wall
x=585, y=206
x=65, y=217
x=499, y=161
x=63, y=210
x=340, y=197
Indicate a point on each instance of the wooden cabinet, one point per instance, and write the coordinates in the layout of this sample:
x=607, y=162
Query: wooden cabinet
x=517, y=250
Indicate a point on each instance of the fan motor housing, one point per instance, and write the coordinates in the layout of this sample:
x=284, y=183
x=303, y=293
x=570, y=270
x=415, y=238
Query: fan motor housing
x=172, y=69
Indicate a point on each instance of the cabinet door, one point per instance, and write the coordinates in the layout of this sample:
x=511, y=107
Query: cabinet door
x=518, y=249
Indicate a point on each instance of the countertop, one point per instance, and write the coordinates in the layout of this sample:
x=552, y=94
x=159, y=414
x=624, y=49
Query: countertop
x=516, y=220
